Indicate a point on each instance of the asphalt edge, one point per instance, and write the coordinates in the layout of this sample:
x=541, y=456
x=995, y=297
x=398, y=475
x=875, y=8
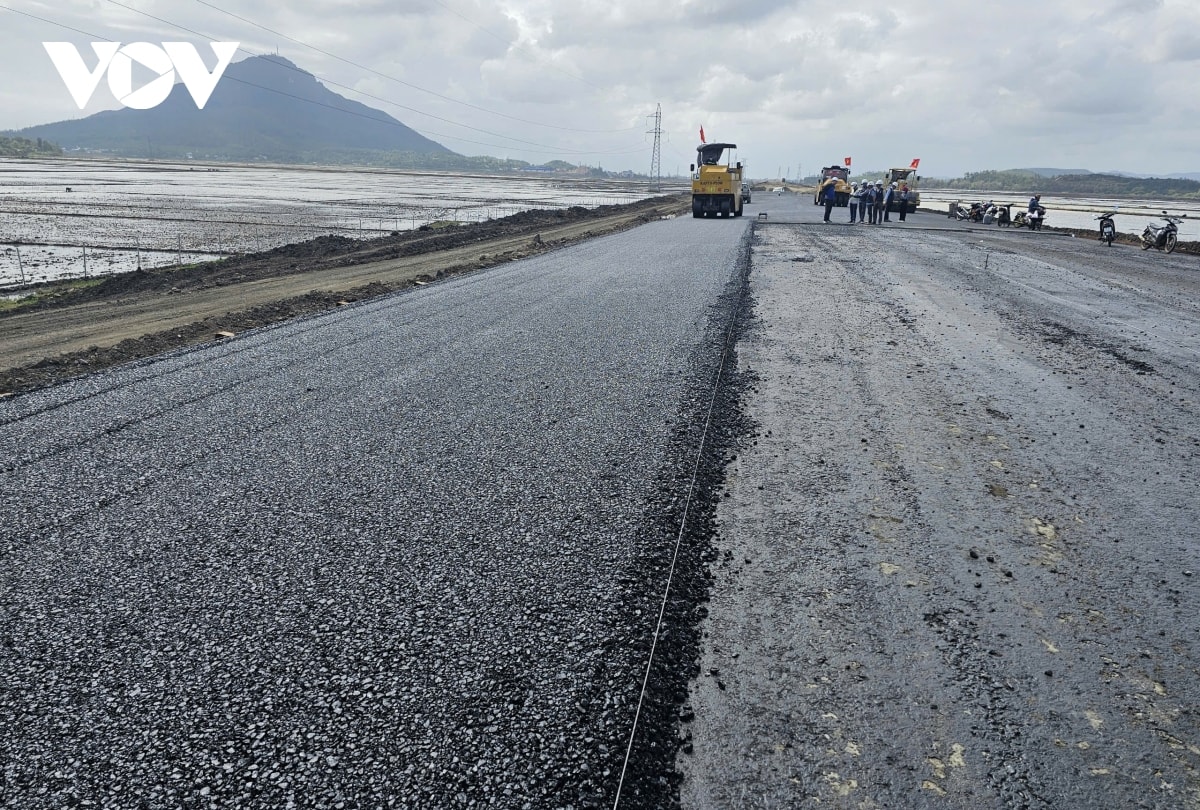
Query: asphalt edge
x=713, y=398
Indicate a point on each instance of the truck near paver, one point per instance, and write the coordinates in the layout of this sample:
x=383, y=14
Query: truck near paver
x=907, y=175
x=716, y=187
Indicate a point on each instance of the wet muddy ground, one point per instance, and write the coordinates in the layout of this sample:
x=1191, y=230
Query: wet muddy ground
x=957, y=557
x=86, y=218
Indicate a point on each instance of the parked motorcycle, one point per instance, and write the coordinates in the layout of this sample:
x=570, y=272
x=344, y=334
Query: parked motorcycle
x=972, y=214
x=1030, y=219
x=1163, y=237
x=1004, y=216
x=1108, y=229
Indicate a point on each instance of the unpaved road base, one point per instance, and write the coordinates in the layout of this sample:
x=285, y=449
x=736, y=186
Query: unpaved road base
x=958, y=558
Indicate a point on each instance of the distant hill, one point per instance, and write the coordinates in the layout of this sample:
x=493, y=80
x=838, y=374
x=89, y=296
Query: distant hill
x=1028, y=181
x=263, y=108
x=1052, y=172
x=1179, y=176
x=1077, y=172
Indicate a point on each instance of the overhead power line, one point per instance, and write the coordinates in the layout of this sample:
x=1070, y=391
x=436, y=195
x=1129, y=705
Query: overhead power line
x=338, y=84
x=516, y=45
x=540, y=147
x=543, y=148
x=410, y=84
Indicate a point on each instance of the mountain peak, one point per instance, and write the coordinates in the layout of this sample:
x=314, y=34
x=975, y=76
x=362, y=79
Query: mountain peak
x=263, y=107
x=268, y=69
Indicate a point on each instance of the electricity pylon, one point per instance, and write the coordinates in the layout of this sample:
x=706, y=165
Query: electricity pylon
x=656, y=156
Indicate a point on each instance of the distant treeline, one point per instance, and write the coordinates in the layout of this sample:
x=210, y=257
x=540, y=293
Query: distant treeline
x=328, y=156
x=24, y=147
x=1097, y=185
x=422, y=161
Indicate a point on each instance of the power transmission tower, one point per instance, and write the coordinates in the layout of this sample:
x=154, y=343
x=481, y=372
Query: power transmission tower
x=656, y=157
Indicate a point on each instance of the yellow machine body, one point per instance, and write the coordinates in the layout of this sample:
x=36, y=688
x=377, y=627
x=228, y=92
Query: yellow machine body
x=716, y=186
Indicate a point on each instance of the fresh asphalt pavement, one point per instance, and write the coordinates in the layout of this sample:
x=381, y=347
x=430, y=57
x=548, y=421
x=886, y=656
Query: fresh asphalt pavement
x=958, y=563
x=407, y=554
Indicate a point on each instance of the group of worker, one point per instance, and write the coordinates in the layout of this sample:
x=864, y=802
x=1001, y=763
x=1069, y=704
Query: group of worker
x=870, y=203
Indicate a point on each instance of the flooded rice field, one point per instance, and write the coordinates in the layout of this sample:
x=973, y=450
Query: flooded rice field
x=69, y=219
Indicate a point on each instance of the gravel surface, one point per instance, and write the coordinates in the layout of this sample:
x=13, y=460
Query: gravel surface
x=406, y=554
x=958, y=556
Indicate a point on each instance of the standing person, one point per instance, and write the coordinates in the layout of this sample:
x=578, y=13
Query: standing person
x=1036, y=212
x=829, y=195
x=889, y=199
x=855, y=196
x=877, y=206
x=903, y=199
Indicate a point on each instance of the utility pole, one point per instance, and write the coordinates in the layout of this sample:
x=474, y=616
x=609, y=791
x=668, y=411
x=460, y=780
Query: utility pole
x=656, y=156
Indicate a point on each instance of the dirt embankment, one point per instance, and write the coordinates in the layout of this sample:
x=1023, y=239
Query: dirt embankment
x=67, y=330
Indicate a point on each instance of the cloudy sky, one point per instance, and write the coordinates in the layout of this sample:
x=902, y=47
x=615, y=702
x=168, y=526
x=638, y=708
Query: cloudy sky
x=963, y=85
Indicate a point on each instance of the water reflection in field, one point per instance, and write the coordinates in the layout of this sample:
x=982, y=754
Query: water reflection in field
x=55, y=216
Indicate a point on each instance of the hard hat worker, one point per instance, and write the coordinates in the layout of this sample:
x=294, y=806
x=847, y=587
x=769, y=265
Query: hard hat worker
x=855, y=199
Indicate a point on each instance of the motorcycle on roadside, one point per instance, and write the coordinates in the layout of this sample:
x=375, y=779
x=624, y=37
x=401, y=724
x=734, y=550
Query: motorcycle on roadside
x=975, y=212
x=1108, y=229
x=1004, y=215
x=1162, y=237
x=1030, y=219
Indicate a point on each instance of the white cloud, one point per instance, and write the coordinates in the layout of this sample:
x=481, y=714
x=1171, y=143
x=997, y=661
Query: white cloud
x=964, y=86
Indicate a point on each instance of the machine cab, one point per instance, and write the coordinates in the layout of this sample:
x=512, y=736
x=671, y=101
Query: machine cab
x=709, y=154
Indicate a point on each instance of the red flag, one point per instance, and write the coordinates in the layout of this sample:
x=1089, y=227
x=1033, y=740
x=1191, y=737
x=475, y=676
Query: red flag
x=913, y=165
x=702, y=135
x=847, y=162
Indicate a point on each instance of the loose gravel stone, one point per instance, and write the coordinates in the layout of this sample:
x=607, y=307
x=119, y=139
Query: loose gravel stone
x=404, y=554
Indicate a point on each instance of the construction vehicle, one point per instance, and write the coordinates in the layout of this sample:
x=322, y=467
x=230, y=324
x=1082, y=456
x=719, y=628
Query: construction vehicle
x=716, y=187
x=906, y=175
x=841, y=177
